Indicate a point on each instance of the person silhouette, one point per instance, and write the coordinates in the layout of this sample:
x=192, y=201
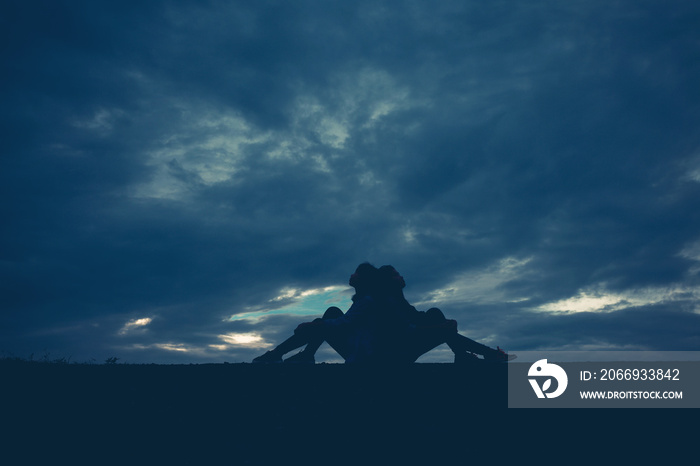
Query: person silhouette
x=353, y=335
x=415, y=333
x=381, y=326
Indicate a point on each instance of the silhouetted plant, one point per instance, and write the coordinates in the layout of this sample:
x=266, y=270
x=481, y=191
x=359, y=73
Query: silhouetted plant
x=46, y=358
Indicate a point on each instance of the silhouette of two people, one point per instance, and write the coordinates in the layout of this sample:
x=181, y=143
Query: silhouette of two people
x=381, y=326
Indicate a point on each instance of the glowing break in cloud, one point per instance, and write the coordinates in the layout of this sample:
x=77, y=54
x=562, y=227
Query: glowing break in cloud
x=169, y=346
x=600, y=300
x=179, y=347
x=302, y=303
x=135, y=324
x=245, y=340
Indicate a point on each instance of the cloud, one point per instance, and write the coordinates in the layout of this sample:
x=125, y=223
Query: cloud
x=135, y=324
x=189, y=163
x=248, y=340
x=481, y=286
x=605, y=301
x=302, y=304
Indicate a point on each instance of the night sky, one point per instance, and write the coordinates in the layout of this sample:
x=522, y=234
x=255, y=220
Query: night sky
x=186, y=181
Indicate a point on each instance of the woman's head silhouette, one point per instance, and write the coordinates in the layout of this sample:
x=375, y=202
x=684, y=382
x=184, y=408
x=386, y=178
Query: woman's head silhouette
x=365, y=279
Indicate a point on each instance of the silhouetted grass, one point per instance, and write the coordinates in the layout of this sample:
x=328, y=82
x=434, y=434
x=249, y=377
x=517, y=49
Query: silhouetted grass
x=47, y=358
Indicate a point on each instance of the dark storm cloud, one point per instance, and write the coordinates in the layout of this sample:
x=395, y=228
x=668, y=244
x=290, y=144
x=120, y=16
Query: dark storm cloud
x=184, y=162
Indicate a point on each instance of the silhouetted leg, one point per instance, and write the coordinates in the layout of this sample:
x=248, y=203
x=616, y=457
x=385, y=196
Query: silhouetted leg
x=312, y=341
x=340, y=341
x=435, y=316
x=433, y=335
x=421, y=340
x=315, y=341
x=290, y=344
x=459, y=342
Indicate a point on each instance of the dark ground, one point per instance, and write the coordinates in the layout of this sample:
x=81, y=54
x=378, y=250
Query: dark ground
x=327, y=413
